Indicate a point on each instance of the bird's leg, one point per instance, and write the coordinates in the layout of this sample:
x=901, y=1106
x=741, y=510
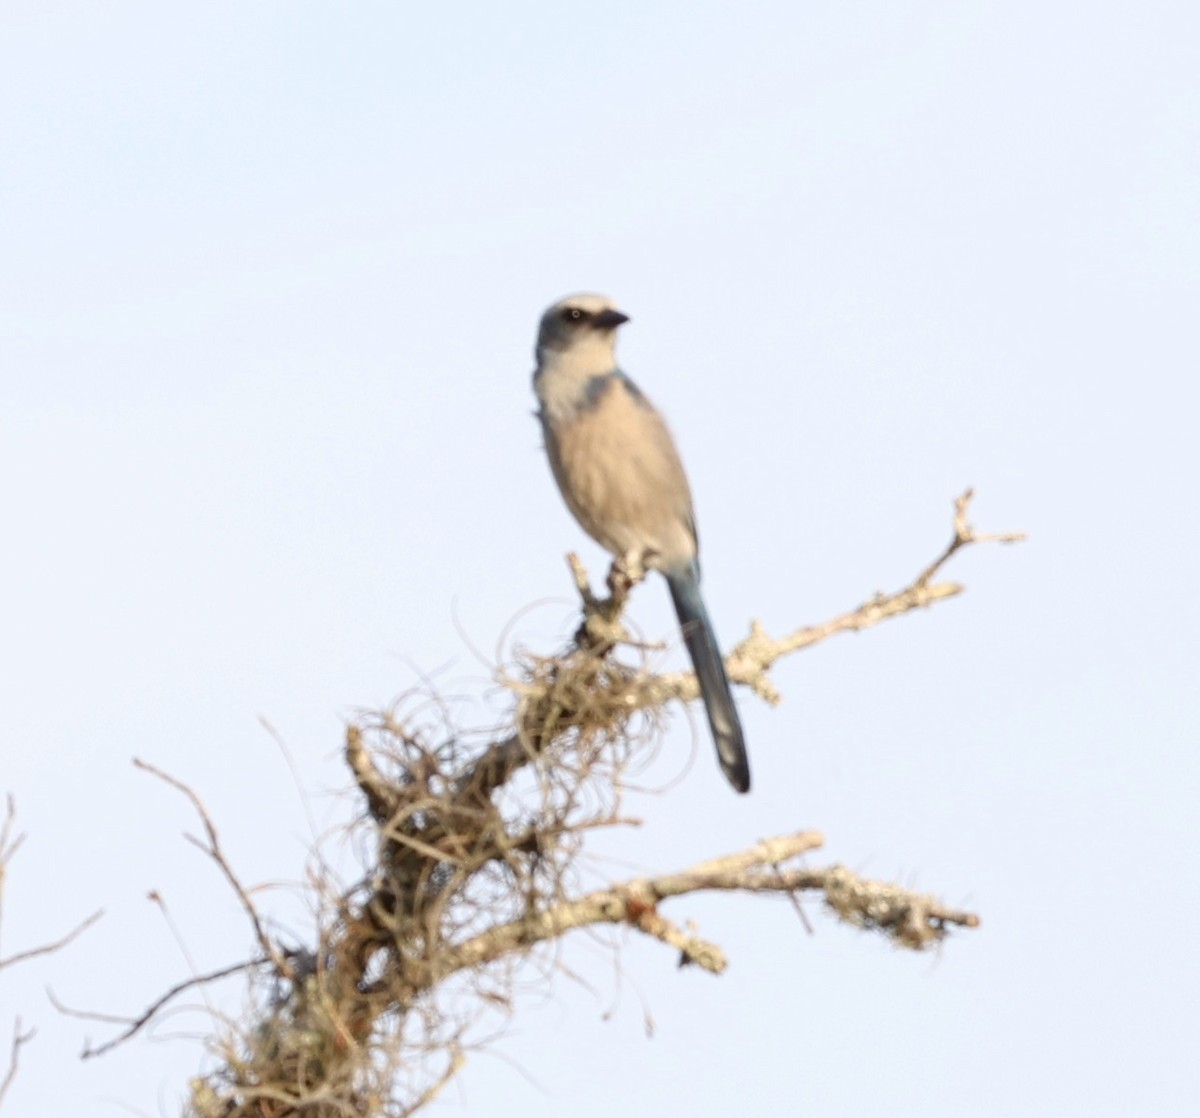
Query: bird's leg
x=625, y=573
x=602, y=629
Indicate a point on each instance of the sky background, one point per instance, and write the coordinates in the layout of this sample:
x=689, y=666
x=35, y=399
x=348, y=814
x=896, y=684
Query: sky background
x=269, y=280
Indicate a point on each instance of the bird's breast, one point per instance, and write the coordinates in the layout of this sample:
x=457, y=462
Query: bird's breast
x=621, y=475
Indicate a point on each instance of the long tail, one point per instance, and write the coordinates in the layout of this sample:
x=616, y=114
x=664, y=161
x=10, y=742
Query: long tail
x=701, y=644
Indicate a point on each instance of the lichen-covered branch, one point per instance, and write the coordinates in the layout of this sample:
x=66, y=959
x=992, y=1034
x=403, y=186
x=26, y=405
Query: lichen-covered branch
x=751, y=660
x=475, y=870
x=910, y=919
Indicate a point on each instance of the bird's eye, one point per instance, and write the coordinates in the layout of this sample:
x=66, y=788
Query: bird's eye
x=573, y=314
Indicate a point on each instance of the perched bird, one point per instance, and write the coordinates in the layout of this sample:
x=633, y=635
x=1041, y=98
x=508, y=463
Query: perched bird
x=620, y=474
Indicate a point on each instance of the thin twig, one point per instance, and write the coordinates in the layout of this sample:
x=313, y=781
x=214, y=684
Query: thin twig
x=57, y=945
x=213, y=850
x=457, y=1060
x=964, y=534
x=8, y=846
x=136, y=1024
x=19, y=1040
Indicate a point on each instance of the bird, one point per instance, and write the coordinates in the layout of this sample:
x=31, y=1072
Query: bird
x=621, y=476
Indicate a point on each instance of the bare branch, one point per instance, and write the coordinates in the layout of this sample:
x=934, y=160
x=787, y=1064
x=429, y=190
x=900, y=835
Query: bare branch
x=754, y=656
x=964, y=535
x=375, y=787
x=136, y=1024
x=9, y=845
x=453, y=1066
x=468, y=870
x=910, y=919
x=19, y=1040
x=751, y=659
x=213, y=850
x=57, y=945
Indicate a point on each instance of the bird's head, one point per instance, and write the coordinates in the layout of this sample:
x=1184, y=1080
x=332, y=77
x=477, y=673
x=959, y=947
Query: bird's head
x=582, y=327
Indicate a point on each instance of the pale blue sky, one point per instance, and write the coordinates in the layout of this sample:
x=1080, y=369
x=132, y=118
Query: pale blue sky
x=269, y=277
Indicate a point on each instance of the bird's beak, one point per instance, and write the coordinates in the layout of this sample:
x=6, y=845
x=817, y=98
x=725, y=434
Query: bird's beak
x=609, y=320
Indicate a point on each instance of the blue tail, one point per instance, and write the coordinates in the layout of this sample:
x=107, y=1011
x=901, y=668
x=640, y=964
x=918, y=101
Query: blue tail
x=701, y=644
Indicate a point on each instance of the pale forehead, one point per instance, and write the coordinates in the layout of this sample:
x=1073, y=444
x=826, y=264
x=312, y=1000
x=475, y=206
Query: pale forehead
x=592, y=304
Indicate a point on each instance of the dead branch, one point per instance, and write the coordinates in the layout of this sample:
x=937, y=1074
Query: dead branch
x=10, y=843
x=134, y=1025
x=751, y=659
x=475, y=864
x=19, y=1040
x=57, y=945
x=912, y=920
x=213, y=850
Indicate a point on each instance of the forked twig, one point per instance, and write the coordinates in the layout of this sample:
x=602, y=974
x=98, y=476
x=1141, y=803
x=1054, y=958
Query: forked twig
x=213, y=850
x=136, y=1024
